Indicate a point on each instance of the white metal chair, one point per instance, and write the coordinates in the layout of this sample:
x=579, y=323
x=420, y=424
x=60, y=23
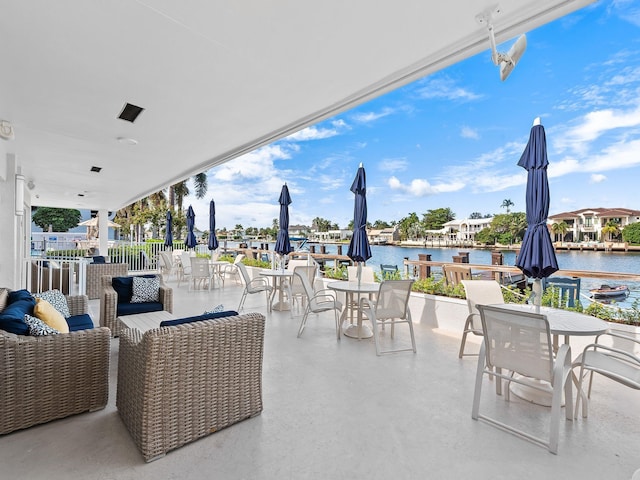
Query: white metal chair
x=520, y=342
x=317, y=301
x=231, y=270
x=296, y=288
x=200, y=272
x=615, y=363
x=483, y=292
x=166, y=265
x=185, y=266
x=257, y=285
x=391, y=306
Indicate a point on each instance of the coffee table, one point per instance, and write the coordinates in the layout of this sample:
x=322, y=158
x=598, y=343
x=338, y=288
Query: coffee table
x=145, y=321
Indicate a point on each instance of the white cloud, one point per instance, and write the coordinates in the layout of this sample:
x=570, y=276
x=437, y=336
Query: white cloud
x=597, y=178
x=420, y=187
x=318, y=133
x=367, y=117
x=468, y=132
x=443, y=87
x=393, y=164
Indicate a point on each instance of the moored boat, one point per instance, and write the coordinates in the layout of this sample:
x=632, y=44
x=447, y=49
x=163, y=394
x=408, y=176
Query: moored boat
x=607, y=291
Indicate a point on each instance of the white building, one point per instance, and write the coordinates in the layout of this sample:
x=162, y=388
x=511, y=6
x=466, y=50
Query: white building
x=466, y=229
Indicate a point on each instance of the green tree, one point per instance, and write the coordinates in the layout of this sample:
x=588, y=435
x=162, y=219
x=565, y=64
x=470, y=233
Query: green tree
x=631, y=233
x=407, y=225
x=435, y=219
x=475, y=215
x=507, y=204
x=560, y=229
x=321, y=224
x=380, y=225
x=486, y=236
x=611, y=229
x=60, y=219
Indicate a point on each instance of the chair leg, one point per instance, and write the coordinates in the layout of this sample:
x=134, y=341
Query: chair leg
x=242, y=299
x=464, y=336
x=338, y=329
x=303, y=323
x=478, y=390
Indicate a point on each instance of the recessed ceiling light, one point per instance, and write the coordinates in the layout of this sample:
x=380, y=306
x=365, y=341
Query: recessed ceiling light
x=127, y=141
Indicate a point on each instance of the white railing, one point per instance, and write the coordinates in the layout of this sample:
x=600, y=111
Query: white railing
x=42, y=274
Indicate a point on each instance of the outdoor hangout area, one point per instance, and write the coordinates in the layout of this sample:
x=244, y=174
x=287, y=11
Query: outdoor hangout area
x=295, y=390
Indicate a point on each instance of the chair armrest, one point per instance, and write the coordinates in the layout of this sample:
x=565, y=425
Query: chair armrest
x=260, y=282
x=78, y=304
x=108, y=309
x=324, y=293
x=166, y=298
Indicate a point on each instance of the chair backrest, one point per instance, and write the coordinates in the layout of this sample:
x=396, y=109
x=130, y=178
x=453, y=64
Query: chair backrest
x=185, y=259
x=393, y=298
x=199, y=267
x=215, y=255
x=167, y=259
x=517, y=341
x=453, y=274
x=242, y=268
x=302, y=270
x=296, y=263
x=483, y=292
x=388, y=271
x=569, y=289
x=239, y=258
x=367, y=274
x=301, y=277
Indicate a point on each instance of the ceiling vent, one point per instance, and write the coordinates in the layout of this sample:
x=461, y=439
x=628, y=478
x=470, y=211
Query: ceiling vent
x=130, y=112
x=96, y=169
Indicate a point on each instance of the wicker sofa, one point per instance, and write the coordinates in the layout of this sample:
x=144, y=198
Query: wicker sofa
x=49, y=377
x=109, y=306
x=162, y=406
x=95, y=272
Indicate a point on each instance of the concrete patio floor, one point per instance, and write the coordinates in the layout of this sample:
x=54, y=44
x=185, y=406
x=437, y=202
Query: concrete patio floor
x=334, y=410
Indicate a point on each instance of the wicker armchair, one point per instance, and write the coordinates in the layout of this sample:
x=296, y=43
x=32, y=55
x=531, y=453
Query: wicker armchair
x=163, y=407
x=109, y=304
x=50, y=377
x=95, y=272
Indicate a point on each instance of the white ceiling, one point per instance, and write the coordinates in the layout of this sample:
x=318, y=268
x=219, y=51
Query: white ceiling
x=216, y=78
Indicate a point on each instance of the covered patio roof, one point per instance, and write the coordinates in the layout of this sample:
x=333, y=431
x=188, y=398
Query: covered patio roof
x=215, y=79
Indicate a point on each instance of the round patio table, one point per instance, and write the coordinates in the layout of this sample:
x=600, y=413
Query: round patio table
x=352, y=289
x=279, y=284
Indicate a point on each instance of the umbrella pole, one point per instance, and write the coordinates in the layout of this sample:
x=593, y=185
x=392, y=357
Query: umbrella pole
x=359, y=273
x=537, y=293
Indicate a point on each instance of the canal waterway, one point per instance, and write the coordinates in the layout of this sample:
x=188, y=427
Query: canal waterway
x=600, y=261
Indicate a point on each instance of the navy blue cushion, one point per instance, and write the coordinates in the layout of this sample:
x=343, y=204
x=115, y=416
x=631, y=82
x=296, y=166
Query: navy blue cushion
x=79, y=322
x=132, y=308
x=16, y=295
x=124, y=288
x=12, y=317
x=98, y=259
x=198, y=318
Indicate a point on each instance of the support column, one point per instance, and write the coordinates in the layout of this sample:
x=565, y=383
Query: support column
x=103, y=231
x=14, y=229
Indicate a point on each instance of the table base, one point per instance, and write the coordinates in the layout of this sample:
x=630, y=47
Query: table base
x=533, y=395
x=281, y=306
x=353, y=331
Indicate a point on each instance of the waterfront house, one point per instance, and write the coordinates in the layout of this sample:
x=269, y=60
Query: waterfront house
x=585, y=225
x=466, y=229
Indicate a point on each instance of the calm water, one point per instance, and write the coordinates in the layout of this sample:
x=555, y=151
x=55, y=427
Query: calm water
x=623, y=262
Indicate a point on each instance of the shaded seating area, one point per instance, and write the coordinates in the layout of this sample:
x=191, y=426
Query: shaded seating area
x=131, y=295
x=162, y=407
x=52, y=376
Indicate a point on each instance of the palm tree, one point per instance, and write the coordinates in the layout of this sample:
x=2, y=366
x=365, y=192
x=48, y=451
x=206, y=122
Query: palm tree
x=507, y=204
x=560, y=229
x=612, y=229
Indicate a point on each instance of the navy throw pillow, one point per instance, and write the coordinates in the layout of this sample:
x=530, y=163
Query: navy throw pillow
x=16, y=295
x=98, y=259
x=123, y=287
x=12, y=317
x=198, y=318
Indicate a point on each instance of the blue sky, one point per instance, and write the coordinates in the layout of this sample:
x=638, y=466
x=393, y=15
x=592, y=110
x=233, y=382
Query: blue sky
x=453, y=139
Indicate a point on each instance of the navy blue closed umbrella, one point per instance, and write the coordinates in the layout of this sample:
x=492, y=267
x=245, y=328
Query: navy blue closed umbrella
x=283, y=244
x=537, y=257
x=213, y=240
x=168, y=234
x=190, y=242
x=359, y=249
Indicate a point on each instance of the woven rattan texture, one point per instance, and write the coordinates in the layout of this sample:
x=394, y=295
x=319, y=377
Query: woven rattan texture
x=95, y=271
x=178, y=384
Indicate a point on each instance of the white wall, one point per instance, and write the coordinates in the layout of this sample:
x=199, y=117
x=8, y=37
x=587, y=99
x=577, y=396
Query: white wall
x=13, y=234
